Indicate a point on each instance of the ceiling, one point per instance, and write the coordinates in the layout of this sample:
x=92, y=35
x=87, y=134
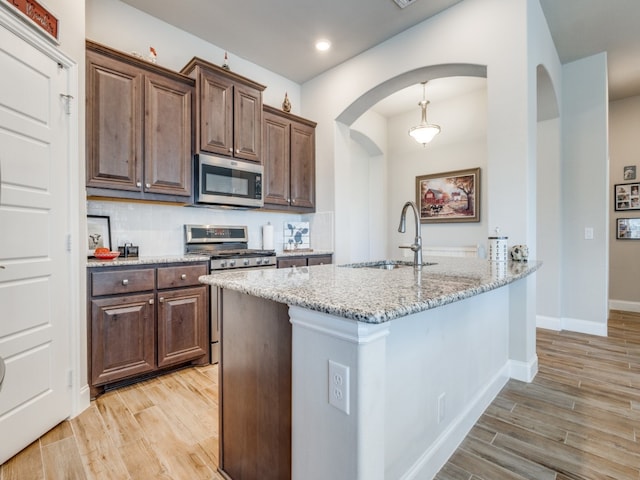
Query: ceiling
x=279, y=35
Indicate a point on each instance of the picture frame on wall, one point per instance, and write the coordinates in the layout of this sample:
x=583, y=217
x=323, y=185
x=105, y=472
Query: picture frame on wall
x=629, y=172
x=449, y=196
x=626, y=196
x=98, y=233
x=628, y=228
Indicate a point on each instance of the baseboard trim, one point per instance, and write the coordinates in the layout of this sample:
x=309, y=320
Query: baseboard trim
x=572, y=324
x=624, y=305
x=433, y=459
x=523, y=371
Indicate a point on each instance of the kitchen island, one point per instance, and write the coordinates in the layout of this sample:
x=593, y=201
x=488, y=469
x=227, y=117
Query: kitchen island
x=384, y=370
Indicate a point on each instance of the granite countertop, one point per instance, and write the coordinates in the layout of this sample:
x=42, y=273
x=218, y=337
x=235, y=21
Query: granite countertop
x=121, y=262
x=373, y=295
x=303, y=253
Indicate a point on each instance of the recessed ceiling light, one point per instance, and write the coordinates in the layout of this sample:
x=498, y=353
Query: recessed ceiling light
x=323, y=45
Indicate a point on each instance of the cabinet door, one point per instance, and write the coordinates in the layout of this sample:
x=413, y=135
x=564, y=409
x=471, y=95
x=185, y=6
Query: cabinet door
x=182, y=325
x=303, y=166
x=114, y=124
x=216, y=113
x=167, y=148
x=276, y=159
x=122, y=337
x=247, y=123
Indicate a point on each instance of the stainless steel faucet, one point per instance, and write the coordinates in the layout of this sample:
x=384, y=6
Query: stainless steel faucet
x=416, y=247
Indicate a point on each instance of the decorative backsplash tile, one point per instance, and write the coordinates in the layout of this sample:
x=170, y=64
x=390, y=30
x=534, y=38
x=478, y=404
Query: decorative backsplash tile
x=296, y=235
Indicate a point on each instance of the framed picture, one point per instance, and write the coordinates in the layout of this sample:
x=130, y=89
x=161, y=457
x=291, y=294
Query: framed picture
x=628, y=229
x=99, y=233
x=629, y=172
x=626, y=196
x=449, y=197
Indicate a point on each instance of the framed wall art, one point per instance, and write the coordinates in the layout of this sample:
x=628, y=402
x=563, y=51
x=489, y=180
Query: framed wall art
x=628, y=228
x=449, y=197
x=98, y=233
x=626, y=196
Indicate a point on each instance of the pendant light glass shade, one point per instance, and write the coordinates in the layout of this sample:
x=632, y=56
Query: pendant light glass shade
x=424, y=132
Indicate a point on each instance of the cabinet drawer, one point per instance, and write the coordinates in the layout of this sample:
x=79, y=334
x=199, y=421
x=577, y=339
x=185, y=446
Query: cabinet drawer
x=181, y=276
x=319, y=260
x=122, y=281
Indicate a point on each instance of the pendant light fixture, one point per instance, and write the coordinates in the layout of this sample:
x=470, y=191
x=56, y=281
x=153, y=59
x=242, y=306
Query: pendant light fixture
x=424, y=132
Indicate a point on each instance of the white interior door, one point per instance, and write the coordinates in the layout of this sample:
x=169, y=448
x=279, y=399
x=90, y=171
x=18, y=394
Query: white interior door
x=34, y=225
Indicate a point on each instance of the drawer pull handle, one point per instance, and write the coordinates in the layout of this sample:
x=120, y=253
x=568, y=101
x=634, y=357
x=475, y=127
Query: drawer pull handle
x=183, y=276
x=125, y=282
x=161, y=299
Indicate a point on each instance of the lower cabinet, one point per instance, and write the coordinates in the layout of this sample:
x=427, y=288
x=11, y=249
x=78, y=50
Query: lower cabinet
x=139, y=325
x=304, y=261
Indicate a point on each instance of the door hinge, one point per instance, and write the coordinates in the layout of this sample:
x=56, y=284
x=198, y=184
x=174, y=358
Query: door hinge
x=67, y=102
x=70, y=378
x=68, y=242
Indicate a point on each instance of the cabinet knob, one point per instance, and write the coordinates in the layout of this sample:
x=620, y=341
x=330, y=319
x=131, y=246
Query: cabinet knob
x=231, y=150
x=161, y=299
x=148, y=185
x=151, y=301
x=293, y=201
x=183, y=276
x=125, y=282
x=138, y=184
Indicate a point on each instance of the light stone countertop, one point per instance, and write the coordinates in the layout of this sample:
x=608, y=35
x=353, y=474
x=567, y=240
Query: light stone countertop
x=372, y=295
x=121, y=262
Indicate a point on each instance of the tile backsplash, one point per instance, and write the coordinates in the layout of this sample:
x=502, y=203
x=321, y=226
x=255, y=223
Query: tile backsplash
x=159, y=229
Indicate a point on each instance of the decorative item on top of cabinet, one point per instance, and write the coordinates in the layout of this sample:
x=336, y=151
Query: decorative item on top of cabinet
x=138, y=325
x=289, y=161
x=138, y=128
x=228, y=111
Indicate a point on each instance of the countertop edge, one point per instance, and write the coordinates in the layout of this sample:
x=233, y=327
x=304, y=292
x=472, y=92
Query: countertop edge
x=301, y=297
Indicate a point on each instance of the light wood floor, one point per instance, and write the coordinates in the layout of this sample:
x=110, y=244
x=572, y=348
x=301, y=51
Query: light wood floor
x=579, y=419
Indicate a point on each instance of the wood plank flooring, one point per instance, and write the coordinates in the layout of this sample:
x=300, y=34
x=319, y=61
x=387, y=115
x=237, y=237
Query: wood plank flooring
x=162, y=428
x=579, y=419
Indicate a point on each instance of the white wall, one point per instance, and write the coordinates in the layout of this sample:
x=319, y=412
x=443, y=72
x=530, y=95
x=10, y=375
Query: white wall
x=549, y=231
x=624, y=257
x=462, y=144
x=585, y=195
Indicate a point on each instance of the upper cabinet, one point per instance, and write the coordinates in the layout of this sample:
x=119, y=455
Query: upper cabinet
x=138, y=123
x=289, y=161
x=228, y=111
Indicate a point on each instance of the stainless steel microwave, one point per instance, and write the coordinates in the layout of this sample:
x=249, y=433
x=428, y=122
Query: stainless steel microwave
x=225, y=181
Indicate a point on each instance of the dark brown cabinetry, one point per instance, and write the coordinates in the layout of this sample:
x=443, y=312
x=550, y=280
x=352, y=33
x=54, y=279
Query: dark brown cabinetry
x=304, y=261
x=143, y=319
x=289, y=161
x=138, y=128
x=228, y=111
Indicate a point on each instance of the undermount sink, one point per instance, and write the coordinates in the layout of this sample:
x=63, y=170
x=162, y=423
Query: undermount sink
x=385, y=264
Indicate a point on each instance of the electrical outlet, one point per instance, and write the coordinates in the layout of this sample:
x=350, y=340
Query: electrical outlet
x=339, y=386
x=441, y=407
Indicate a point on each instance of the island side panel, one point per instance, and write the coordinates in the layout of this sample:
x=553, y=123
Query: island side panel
x=255, y=388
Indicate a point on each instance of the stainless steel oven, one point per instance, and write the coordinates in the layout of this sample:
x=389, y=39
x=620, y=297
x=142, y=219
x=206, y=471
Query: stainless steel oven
x=227, y=248
x=225, y=181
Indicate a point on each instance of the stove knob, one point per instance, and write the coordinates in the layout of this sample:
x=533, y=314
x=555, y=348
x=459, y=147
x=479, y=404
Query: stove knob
x=232, y=263
x=258, y=261
x=223, y=264
x=246, y=262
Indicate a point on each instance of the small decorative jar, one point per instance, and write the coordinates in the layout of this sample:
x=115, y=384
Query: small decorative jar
x=519, y=253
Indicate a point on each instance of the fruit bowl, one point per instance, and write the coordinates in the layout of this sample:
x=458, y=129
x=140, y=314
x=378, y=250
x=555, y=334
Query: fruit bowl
x=106, y=255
